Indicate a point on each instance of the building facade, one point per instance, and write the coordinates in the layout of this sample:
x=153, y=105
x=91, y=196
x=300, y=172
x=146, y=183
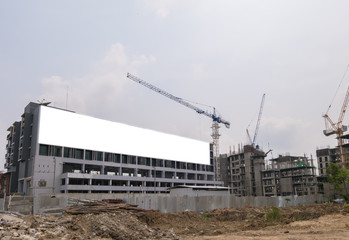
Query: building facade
x=12, y=151
x=247, y=174
x=244, y=171
x=289, y=175
x=325, y=156
x=59, y=151
x=338, y=154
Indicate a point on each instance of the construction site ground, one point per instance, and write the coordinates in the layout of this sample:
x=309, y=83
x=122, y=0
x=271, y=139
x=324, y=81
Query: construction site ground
x=318, y=221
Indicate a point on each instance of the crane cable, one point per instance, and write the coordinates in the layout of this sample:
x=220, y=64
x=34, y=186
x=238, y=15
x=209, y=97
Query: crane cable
x=196, y=102
x=345, y=73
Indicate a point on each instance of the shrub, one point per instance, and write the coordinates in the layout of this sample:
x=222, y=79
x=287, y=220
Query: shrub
x=274, y=215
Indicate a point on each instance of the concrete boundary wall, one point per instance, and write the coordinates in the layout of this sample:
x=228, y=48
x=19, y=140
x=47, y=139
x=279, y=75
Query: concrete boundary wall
x=20, y=204
x=166, y=203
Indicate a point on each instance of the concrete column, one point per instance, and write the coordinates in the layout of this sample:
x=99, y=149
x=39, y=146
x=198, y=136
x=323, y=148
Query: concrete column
x=150, y=173
x=90, y=184
x=110, y=184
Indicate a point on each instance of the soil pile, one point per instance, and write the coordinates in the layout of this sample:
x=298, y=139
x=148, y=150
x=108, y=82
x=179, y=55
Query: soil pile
x=123, y=223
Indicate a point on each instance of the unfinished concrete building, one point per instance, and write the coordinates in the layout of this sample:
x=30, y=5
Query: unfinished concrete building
x=325, y=156
x=244, y=171
x=338, y=154
x=247, y=174
x=54, y=150
x=289, y=175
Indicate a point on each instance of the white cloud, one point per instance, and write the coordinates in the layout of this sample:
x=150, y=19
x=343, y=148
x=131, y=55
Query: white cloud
x=162, y=8
x=283, y=134
x=97, y=92
x=55, y=88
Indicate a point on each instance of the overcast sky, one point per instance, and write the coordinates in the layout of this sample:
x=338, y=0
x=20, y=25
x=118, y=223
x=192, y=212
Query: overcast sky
x=219, y=53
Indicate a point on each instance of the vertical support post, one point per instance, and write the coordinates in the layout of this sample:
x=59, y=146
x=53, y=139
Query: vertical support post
x=54, y=175
x=342, y=159
x=215, y=137
x=154, y=179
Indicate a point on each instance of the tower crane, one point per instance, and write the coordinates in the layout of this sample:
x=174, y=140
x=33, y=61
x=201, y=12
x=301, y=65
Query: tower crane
x=337, y=128
x=259, y=120
x=257, y=124
x=215, y=125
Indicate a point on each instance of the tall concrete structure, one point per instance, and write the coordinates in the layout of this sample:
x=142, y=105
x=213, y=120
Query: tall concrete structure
x=247, y=174
x=328, y=155
x=289, y=175
x=12, y=151
x=54, y=150
x=244, y=171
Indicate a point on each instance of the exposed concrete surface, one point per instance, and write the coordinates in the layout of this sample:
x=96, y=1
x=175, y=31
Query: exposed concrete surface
x=161, y=202
x=167, y=203
x=20, y=204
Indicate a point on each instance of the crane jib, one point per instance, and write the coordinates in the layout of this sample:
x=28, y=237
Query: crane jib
x=179, y=100
x=215, y=128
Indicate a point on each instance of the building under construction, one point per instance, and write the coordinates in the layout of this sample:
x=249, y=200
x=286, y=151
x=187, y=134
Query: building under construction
x=289, y=175
x=243, y=171
x=338, y=154
x=247, y=174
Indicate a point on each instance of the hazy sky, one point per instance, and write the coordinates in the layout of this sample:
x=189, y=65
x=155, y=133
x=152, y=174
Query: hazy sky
x=219, y=53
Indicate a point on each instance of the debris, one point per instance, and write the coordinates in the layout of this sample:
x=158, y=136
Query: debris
x=122, y=221
x=107, y=205
x=339, y=201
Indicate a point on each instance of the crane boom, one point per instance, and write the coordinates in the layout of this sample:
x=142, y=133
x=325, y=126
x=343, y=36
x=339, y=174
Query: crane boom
x=215, y=125
x=344, y=107
x=259, y=120
x=338, y=128
x=213, y=115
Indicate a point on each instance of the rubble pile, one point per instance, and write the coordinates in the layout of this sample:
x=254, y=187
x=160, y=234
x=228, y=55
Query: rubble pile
x=113, y=219
x=106, y=205
x=106, y=226
x=12, y=227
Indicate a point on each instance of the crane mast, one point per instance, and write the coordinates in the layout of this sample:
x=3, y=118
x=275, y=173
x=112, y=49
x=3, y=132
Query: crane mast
x=259, y=120
x=338, y=128
x=215, y=125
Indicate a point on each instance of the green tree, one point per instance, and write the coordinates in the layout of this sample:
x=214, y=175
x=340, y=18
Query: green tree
x=338, y=177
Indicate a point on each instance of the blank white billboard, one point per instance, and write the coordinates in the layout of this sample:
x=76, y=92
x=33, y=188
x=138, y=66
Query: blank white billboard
x=63, y=128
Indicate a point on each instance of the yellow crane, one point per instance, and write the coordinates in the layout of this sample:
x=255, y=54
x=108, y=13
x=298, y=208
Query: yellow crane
x=338, y=128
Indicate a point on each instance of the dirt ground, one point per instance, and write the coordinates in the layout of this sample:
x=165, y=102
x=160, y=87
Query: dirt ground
x=319, y=221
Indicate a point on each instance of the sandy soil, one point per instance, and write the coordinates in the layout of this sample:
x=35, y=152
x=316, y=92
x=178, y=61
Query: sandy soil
x=319, y=221
x=326, y=227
